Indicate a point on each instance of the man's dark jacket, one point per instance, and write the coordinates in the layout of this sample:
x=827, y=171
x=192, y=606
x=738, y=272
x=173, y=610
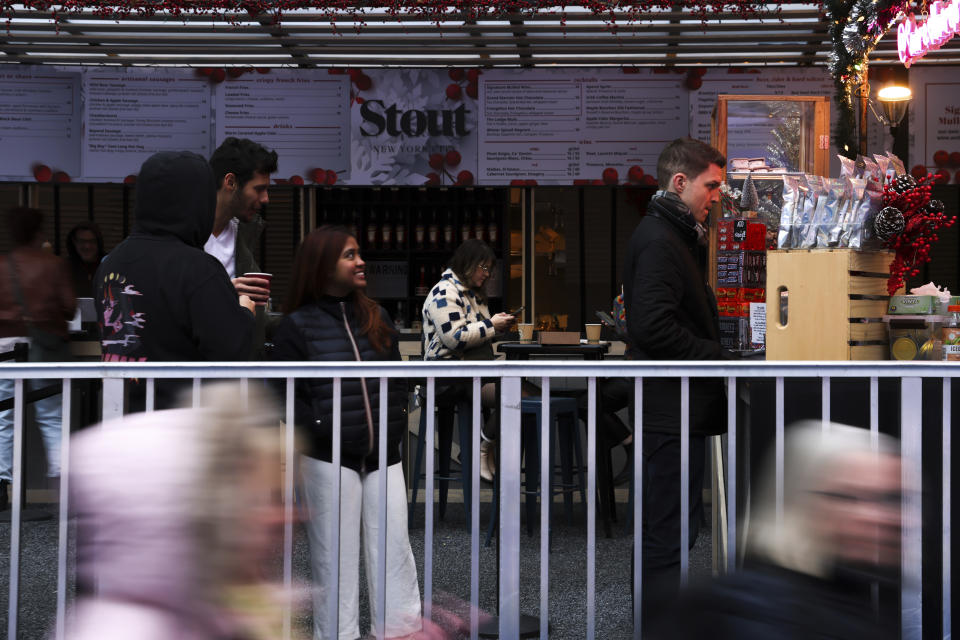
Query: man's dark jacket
x=316, y=332
x=159, y=297
x=672, y=315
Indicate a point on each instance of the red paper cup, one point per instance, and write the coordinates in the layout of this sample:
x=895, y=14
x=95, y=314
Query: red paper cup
x=257, y=274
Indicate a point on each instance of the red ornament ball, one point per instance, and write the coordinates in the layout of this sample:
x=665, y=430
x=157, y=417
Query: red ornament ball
x=940, y=158
x=610, y=176
x=473, y=74
x=435, y=161
x=942, y=176
x=319, y=176
x=265, y=70
x=635, y=174
x=919, y=172
x=217, y=76
x=331, y=176
x=42, y=173
x=596, y=183
x=649, y=180
x=465, y=178
x=955, y=159
x=130, y=179
x=354, y=73
x=473, y=90
x=517, y=182
x=699, y=72
x=234, y=72
x=295, y=179
x=454, y=91
x=363, y=82
x=456, y=74
x=61, y=176
x=433, y=178
x=453, y=158
x=204, y=71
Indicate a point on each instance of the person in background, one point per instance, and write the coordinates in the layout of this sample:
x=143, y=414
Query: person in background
x=178, y=522
x=671, y=314
x=329, y=318
x=457, y=325
x=809, y=564
x=242, y=171
x=35, y=294
x=84, y=251
x=159, y=297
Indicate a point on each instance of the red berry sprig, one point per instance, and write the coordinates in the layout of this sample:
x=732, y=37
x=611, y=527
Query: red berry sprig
x=923, y=219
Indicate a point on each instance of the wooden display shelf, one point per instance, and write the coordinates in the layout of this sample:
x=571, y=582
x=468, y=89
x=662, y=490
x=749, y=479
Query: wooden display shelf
x=835, y=301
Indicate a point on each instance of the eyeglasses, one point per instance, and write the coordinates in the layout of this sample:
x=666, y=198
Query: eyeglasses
x=485, y=269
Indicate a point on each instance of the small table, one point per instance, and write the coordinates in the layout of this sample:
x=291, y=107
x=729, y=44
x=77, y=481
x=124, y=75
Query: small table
x=523, y=350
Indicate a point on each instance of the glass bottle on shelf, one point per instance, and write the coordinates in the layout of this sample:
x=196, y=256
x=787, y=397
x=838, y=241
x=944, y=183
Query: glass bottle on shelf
x=493, y=237
x=421, y=289
x=400, y=230
x=372, y=228
x=400, y=319
x=419, y=231
x=466, y=228
x=479, y=226
x=386, y=231
x=448, y=239
x=433, y=231
x=352, y=223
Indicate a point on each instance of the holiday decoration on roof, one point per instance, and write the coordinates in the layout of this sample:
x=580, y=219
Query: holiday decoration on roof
x=855, y=27
x=908, y=224
x=235, y=11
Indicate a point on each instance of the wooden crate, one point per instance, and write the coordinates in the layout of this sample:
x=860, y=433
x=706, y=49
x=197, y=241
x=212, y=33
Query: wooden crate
x=835, y=301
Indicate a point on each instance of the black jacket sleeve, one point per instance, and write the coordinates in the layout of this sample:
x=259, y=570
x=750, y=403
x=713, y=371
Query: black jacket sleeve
x=653, y=319
x=289, y=346
x=223, y=330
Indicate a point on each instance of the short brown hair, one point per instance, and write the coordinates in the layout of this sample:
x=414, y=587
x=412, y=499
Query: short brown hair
x=687, y=156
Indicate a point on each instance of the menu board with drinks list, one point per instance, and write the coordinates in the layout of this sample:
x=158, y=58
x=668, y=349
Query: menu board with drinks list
x=559, y=126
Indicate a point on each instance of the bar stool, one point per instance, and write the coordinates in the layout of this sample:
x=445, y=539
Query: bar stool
x=563, y=413
x=445, y=408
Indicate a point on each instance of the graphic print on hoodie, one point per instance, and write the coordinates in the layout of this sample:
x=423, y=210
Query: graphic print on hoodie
x=159, y=297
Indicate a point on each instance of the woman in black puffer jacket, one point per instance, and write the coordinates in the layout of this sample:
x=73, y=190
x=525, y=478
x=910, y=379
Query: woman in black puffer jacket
x=329, y=318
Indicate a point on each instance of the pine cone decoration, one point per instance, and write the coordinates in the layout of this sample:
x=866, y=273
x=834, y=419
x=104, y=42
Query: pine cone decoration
x=903, y=183
x=888, y=223
x=934, y=206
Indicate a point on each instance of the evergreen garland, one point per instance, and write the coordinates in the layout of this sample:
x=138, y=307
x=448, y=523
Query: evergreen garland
x=855, y=28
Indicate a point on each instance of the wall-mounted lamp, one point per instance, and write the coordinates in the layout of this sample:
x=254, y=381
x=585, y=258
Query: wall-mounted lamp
x=894, y=101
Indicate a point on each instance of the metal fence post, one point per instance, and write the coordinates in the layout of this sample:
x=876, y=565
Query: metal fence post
x=510, y=508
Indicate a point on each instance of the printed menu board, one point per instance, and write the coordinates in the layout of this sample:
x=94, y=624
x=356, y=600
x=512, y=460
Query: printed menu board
x=557, y=126
x=40, y=122
x=303, y=115
x=133, y=114
x=935, y=117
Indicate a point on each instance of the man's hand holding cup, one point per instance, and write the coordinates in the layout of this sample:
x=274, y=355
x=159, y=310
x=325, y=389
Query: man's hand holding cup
x=256, y=285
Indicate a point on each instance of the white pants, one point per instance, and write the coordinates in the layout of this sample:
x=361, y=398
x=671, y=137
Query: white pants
x=359, y=504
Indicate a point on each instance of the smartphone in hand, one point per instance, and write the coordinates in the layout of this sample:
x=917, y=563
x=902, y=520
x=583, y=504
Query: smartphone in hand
x=517, y=312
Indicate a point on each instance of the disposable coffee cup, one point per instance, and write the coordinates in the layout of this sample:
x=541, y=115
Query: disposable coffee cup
x=526, y=331
x=259, y=274
x=593, y=332
x=263, y=276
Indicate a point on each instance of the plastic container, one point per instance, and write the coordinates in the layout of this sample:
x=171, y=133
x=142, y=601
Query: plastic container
x=915, y=337
x=951, y=334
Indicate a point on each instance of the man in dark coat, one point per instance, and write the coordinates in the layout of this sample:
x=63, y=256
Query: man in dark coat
x=672, y=315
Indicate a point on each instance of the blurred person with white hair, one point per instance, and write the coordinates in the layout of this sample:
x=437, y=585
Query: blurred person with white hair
x=808, y=567
x=177, y=515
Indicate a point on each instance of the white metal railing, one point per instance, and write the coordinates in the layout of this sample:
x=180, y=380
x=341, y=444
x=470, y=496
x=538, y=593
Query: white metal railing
x=511, y=373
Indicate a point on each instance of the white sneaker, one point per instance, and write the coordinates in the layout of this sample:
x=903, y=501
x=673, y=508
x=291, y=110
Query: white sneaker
x=487, y=464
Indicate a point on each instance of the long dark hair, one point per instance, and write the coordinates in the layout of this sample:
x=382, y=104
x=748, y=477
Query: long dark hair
x=72, y=237
x=316, y=260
